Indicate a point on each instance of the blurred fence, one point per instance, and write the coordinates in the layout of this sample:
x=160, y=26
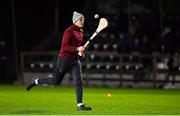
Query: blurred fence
x=111, y=68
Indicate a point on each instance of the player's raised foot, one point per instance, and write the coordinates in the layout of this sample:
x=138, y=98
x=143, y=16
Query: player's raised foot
x=32, y=83
x=83, y=107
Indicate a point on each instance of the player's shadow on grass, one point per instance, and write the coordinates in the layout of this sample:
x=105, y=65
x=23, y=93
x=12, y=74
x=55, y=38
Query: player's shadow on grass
x=29, y=111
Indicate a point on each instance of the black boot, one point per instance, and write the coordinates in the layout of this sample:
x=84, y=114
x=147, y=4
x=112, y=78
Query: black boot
x=83, y=107
x=32, y=83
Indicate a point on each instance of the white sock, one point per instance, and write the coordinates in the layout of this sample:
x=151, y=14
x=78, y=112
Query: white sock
x=36, y=81
x=79, y=104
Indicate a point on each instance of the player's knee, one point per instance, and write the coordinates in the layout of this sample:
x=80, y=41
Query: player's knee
x=57, y=82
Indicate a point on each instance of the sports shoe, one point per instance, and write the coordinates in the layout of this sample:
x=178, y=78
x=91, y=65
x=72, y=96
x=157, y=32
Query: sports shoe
x=83, y=107
x=32, y=84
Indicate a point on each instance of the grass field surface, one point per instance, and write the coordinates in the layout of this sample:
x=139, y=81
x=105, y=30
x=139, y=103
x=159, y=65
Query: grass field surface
x=48, y=100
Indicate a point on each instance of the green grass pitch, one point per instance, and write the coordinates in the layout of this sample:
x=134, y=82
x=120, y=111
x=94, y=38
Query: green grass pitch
x=48, y=100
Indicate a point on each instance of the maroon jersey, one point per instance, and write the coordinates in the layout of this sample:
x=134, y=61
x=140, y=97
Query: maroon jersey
x=72, y=39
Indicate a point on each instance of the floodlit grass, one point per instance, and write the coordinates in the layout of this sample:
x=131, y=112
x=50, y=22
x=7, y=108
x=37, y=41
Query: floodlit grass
x=62, y=101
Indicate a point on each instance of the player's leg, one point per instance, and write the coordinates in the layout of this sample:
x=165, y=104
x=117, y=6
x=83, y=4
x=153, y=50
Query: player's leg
x=63, y=66
x=77, y=77
x=61, y=69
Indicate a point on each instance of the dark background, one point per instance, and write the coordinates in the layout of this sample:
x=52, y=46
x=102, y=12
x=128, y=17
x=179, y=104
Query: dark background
x=37, y=26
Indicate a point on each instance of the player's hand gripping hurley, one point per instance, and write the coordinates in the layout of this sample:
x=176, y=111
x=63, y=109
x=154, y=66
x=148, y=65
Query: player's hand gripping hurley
x=103, y=23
